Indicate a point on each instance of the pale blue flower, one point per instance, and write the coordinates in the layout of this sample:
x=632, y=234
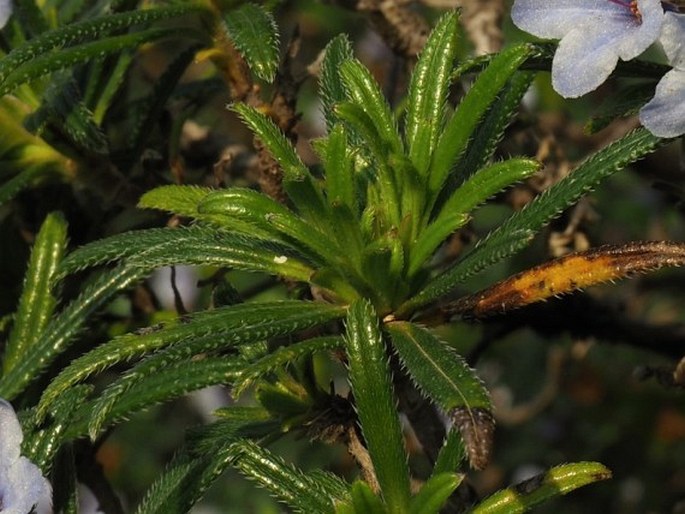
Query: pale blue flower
x=664, y=115
x=594, y=35
x=22, y=486
x=5, y=11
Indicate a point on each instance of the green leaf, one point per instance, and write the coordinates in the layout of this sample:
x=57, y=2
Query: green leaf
x=282, y=357
x=443, y=376
x=265, y=213
x=298, y=182
x=181, y=200
x=372, y=389
x=473, y=106
x=40, y=445
x=388, y=187
x=149, y=109
x=515, y=233
x=54, y=41
x=255, y=34
x=331, y=87
x=434, y=493
x=30, y=16
x=47, y=63
x=341, y=186
x=490, y=130
x=159, y=378
x=557, y=481
x=363, y=501
x=455, y=212
x=452, y=453
x=107, y=92
x=363, y=91
x=37, y=301
x=64, y=327
x=200, y=245
x=64, y=108
x=183, y=483
x=10, y=188
x=234, y=422
x=219, y=328
x=303, y=492
x=427, y=97
x=280, y=148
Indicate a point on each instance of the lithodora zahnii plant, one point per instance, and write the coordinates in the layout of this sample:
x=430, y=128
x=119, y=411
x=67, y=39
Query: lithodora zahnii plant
x=364, y=238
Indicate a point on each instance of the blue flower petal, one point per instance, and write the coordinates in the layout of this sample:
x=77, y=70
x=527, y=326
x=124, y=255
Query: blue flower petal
x=672, y=39
x=594, y=35
x=553, y=19
x=22, y=485
x=664, y=115
x=5, y=11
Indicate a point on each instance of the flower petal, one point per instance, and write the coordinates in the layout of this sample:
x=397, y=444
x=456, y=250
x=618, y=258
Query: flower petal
x=5, y=11
x=594, y=35
x=28, y=489
x=673, y=39
x=11, y=439
x=582, y=63
x=22, y=485
x=664, y=115
x=553, y=19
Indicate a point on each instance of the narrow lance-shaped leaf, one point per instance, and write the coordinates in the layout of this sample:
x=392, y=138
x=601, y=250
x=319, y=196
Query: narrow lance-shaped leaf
x=42, y=443
x=473, y=106
x=265, y=213
x=172, y=381
x=298, y=182
x=570, y=273
x=255, y=34
x=178, y=354
x=200, y=245
x=557, y=481
x=63, y=105
x=360, y=121
x=47, y=63
x=445, y=378
x=428, y=89
x=362, y=501
x=363, y=91
x=181, y=200
x=149, y=110
x=183, y=483
x=332, y=89
x=281, y=357
x=37, y=301
x=373, y=395
x=434, y=493
x=341, y=187
x=516, y=232
x=490, y=130
x=158, y=379
x=455, y=212
x=65, y=326
x=225, y=326
x=63, y=37
x=452, y=454
x=303, y=492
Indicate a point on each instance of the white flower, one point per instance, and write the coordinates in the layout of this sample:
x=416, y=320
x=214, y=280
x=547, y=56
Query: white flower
x=594, y=35
x=664, y=115
x=5, y=11
x=87, y=501
x=22, y=486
